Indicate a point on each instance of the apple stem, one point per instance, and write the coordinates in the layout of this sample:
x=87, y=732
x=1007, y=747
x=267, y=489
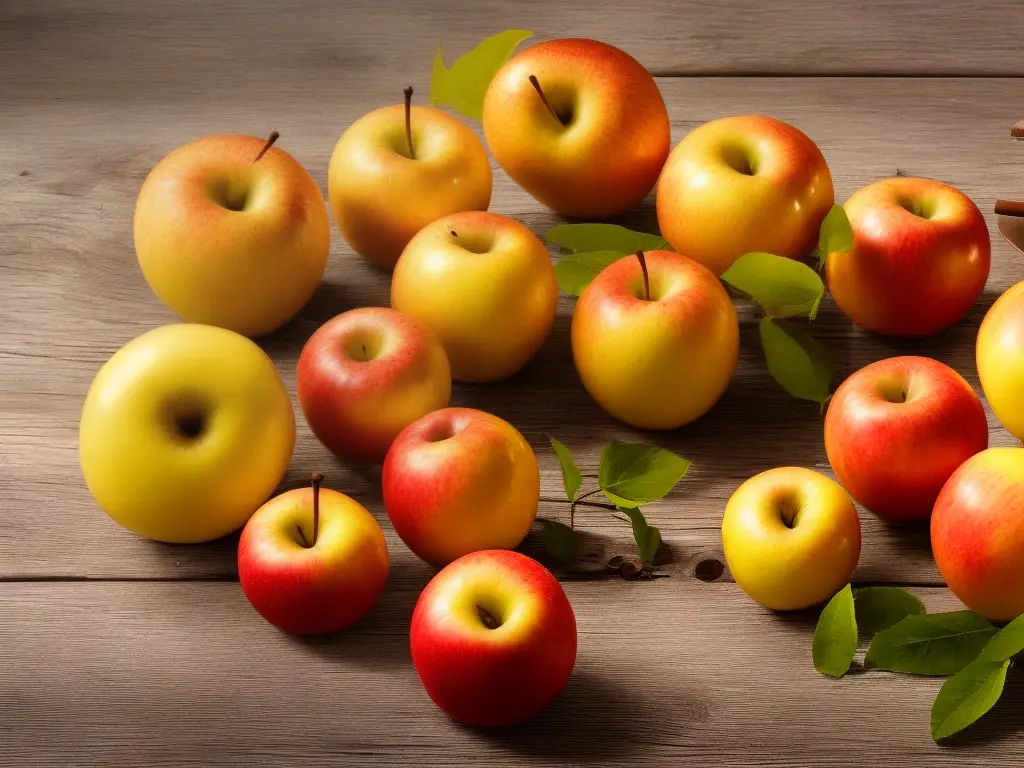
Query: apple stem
x=647, y=278
x=274, y=136
x=540, y=92
x=1009, y=208
x=316, y=479
x=408, y=121
x=487, y=618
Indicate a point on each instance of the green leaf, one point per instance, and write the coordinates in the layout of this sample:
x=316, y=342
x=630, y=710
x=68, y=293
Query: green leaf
x=835, y=636
x=835, y=235
x=576, y=271
x=647, y=537
x=580, y=238
x=463, y=85
x=572, y=478
x=559, y=539
x=798, y=361
x=932, y=644
x=632, y=474
x=879, y=608
x=783, y=287
x=967, y=695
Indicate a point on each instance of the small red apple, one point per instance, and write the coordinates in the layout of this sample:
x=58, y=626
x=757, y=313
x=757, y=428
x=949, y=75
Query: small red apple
x=493, y=638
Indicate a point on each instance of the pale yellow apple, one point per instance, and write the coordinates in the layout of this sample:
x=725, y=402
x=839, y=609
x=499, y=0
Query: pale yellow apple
x=485, y=285
x=791, y=537
x=1000, y=358
x=226, y=239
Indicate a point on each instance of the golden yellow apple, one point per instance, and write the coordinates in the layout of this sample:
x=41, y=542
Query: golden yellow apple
x=231, y=235
x=791, y=537
x=485, y=285
x=185, y=432
x=1000, y=358
x=396, y=169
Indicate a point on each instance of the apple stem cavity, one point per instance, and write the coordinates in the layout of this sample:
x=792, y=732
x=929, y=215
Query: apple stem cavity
x=408, y=121
x=1010, y=208
x=316, y=479
x=540, y=92
x=487, y=618
x=647, y=278
x=274, y=136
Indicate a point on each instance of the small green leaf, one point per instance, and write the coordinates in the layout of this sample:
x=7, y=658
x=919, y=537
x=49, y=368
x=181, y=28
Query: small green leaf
x=464, y=84
x=631, y=474
x=572, y=478
x=559, y=539
x=1007, y=643
x=835, y=636
x=932, y=644
x=576, y=271
x=580, y=238
x=836, y=234
x=798, y=361
x=783, y=287
x=879, y=608
x=647, y=537
x=967, y=695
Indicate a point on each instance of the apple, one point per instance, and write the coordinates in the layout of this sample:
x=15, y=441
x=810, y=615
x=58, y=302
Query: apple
x=460, y=480
x=579, y=124
x=396, y=169
x=655, y=340
x=485, y=285
x=366, y=375
x=312, y=560
x=1000, y=358
x=791, y=537
x=493, y=638
x=897, y=429
x=185, y=431
x=977, y=532
x=919, y=261
x=232, y=232
x=742, y=184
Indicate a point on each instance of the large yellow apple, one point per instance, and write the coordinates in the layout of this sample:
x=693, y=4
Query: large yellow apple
x=1000, y=358
x=230, y=235
x=791, y=538
x=742, y=184
x=385, y=184
x=655, y=362
x=485, y=285
x=185, y=432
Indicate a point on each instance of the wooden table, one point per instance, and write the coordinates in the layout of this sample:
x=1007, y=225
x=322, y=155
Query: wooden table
x=118, y=651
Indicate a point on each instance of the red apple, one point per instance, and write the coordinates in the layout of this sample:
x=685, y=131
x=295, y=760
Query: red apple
x=460, y=480
x=312, y=561
x=367, y=374
x=897, y=429
x=493, y=638
x=919, y=261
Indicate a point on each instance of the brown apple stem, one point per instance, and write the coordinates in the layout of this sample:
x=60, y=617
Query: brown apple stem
x=647, y=278
x=540, y=92
x=408, y=120
x=274, y=136
x=487, y=618
x=1010, y=208
x=316, y=479
x=1017, y=131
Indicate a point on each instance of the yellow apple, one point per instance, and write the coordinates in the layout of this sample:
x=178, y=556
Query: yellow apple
x=485, y=285
x=791, y=537
x=397, y=169
x=185, y=432
x=1000, y=358
x=231, y=235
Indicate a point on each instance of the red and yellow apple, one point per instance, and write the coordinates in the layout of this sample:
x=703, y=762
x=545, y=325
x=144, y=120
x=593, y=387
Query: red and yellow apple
x=228, y=234
x=919, y=261
x=1000, y=358
x=897, y=429
x=312, y=560
x=385, y=184
x=579, y=124
x=485, y=285
x=185, y=432
x=741, y=184
x=460, y=480
x=656, y=363
x=978, y=533
x=366, y=375
x=493, y=638
x=791, y=537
